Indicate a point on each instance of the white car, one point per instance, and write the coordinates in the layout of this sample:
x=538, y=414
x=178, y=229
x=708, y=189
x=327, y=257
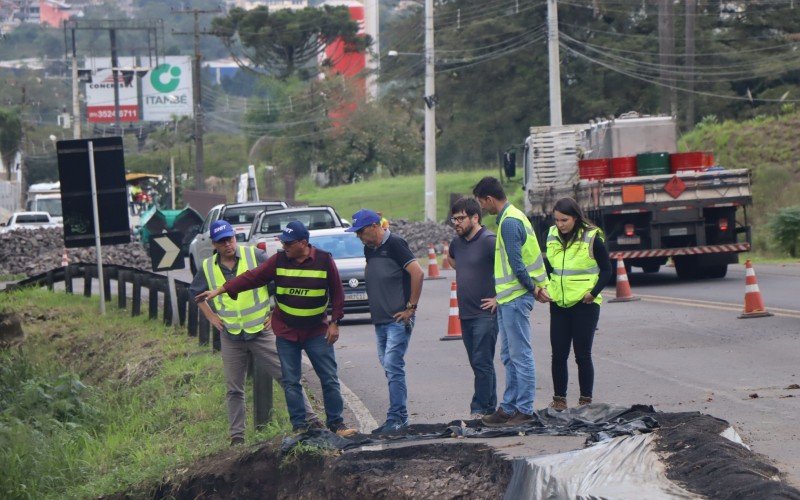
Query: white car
x=28, y=220
x=267, y=226
x=239, y=215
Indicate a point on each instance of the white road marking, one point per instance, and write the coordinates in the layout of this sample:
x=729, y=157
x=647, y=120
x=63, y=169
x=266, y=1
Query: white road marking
x=721, y=306
x=366, y=422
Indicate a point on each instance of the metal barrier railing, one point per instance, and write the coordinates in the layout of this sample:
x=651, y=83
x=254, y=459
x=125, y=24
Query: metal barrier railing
x=189, y=314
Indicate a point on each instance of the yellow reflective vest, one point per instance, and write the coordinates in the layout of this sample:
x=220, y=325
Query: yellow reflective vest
x=249, y=311
x=506, y=285
x=575, y=271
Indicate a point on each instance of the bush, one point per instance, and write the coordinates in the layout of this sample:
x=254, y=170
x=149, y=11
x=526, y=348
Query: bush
x=785, y=227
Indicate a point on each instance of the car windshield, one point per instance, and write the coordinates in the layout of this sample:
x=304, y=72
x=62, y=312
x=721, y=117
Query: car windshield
x=313, y=219
x=245, y=215
x=341, y=246
x=50, y=205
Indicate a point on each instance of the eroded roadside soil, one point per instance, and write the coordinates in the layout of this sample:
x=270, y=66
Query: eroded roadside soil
x=458, y=470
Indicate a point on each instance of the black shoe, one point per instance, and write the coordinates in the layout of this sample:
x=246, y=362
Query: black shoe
x=300, y=429
x=237, y=441
x=315, y=423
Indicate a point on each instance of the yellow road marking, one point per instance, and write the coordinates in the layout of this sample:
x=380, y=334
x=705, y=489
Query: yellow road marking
x=720, y=306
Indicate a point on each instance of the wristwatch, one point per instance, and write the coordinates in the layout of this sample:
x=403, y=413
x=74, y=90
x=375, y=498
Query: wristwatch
x=411, y=306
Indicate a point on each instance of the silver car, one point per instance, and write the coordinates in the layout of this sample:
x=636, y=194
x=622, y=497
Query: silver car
x=348, y=253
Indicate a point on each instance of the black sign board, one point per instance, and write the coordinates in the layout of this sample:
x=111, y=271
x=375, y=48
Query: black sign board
x=166, y=253
x=76, y=191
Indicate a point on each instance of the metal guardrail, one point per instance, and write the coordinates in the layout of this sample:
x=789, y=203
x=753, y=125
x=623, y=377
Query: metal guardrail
x=189, y=314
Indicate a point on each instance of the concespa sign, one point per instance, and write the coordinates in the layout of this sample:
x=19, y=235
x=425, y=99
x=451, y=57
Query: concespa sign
x=100, y=92
x=167, y=90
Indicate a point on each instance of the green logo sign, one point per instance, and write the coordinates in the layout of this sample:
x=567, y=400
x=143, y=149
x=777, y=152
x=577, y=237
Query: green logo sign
x=173, y=72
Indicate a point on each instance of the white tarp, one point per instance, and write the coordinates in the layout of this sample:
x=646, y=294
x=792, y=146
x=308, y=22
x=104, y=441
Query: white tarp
x=620, y=468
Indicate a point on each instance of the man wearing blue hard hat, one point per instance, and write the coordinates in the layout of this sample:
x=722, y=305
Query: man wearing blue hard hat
x=394, y=285
x=307, y=282
x=241, y=323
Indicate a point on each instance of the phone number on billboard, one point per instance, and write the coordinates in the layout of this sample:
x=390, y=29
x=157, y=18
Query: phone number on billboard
x=123, y=113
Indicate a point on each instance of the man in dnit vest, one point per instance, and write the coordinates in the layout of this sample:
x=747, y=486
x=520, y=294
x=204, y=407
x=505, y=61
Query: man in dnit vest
x=307, y=281
x=241, y=323
x=519, y=279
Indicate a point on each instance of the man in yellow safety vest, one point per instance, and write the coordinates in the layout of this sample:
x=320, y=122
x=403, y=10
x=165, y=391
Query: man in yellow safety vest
x=240, y=321
x=520, y=278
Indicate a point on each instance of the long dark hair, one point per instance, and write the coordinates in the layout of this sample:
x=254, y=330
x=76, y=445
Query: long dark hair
x=569, y=206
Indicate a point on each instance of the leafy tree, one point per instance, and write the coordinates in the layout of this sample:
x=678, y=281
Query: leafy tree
x=283, y=41
x=10, y=136
x=785, y=228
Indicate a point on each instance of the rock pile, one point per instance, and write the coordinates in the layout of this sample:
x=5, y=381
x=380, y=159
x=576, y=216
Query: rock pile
x=421, y=234
x=32, y=252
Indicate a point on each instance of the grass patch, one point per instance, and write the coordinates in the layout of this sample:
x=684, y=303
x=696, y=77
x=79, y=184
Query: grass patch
x=400, y=197
x=90, y=406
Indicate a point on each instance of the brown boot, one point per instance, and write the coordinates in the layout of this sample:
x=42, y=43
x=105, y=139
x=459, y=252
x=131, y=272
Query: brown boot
x=584, y=400
x=497, y=419
x=559, y=403
x=519, y=418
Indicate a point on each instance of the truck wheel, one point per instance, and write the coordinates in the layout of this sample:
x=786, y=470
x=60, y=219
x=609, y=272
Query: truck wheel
x=192, y=267
x=651, y=268
x=718, y=271
x=687, y=268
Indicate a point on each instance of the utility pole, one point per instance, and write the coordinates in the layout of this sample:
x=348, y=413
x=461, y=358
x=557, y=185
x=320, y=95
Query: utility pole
x=76, y=103
x=691, y=10
x=23, y=188
x=430, y=117
x=199, y=175
x=666, y=57
x=372, y=27
x=112, y=35
x=554, y=62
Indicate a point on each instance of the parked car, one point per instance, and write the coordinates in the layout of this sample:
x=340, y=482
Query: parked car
x=348, y=253
x=269, y=224
x=28, y=220
x=239, y=215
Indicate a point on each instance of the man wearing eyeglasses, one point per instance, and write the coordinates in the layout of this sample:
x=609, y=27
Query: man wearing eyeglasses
x=307, y=281
x=241, y=323
x=394, y=285
x=471, y=254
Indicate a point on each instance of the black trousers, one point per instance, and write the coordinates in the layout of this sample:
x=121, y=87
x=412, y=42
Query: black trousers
x=573, y=326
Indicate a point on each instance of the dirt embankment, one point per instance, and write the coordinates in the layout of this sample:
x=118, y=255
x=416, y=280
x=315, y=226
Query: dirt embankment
x=458, y=470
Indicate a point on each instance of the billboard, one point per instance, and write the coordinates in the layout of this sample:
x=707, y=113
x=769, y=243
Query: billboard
x=167, y=90
x=100, y=91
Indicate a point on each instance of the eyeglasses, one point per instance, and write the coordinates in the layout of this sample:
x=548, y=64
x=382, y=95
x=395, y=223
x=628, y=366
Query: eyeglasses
x=288, y=243
x=458, y=219
x=225, y=241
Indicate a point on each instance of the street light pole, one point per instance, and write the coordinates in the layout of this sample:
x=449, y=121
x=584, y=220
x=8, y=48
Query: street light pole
x=553, y=63
x=430, y=117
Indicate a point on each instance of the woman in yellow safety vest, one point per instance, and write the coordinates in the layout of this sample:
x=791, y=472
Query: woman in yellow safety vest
x=579, y=267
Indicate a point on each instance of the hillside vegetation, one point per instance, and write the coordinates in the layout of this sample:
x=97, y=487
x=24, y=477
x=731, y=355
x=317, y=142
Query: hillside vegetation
x=766, y=145
x=94, y=405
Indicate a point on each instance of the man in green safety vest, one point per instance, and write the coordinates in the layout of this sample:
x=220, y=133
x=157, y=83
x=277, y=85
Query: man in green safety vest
x=241, y=323
x=520, y=278
x=307, y=282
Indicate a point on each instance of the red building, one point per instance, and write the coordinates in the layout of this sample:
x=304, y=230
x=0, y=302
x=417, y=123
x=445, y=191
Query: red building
x=348, y=64
x=54, y=13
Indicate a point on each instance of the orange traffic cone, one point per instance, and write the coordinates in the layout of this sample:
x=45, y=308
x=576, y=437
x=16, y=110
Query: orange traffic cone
x=753, y=303
x=433, y=266
x=624, y=293
x=64, y=258
x=453, y=323
x=446, y=263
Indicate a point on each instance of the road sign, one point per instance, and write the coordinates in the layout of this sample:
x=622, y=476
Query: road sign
x=74, y=173
x=165, y=251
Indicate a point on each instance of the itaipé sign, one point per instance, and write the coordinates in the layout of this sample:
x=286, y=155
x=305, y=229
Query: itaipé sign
x=167, y=90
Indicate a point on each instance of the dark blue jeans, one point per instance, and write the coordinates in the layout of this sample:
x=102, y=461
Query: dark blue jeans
x=323, y=359
x=480, y=337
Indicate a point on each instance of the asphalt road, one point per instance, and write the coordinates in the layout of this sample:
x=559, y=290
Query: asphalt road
x=680, y=348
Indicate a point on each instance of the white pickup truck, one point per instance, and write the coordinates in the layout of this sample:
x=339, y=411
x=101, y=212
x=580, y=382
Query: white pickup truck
x=28, y=220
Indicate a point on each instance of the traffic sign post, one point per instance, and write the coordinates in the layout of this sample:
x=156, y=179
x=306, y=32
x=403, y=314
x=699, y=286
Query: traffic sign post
x=166, y=255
